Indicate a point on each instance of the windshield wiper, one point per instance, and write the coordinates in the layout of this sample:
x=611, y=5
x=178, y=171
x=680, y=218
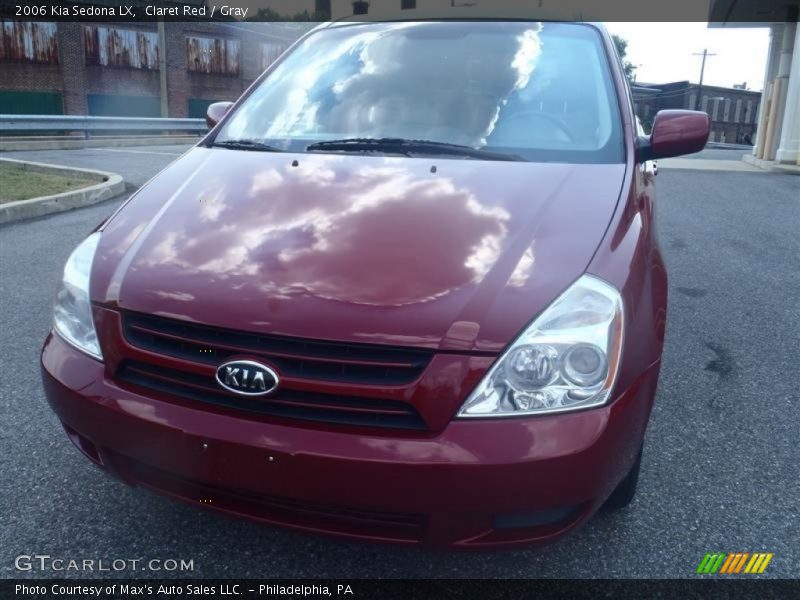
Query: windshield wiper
x=407, y=147
x=246, y=145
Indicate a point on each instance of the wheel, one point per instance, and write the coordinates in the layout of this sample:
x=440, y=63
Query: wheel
x=626, y=490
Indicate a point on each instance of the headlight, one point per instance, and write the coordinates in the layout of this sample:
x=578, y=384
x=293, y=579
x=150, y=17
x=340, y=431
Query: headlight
x=566, y=360
x=72, y=314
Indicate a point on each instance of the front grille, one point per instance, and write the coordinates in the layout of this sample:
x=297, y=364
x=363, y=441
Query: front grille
x=360, y=364
x=287, y=403
x=399, y=527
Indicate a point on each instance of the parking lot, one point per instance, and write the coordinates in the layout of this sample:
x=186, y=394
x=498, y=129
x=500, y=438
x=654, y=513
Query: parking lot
x=721, y=462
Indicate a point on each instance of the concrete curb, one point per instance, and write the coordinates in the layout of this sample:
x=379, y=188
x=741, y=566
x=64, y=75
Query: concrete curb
x=705, y=164
x=12, y=145
x=108, y=186
x=725, y=146
x=771, y=166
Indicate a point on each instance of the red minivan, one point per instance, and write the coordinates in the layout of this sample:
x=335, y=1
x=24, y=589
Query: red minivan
x=407, y=289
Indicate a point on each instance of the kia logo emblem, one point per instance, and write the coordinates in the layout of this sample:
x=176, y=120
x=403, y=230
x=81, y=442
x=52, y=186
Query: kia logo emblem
x=247, y=378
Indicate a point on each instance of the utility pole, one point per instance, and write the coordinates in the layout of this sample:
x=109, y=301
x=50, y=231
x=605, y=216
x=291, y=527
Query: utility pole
x=162, y=67
x=705, y=53
x=162, y=63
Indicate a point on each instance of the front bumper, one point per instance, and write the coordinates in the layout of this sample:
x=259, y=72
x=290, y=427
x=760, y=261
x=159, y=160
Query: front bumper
x=476, y=484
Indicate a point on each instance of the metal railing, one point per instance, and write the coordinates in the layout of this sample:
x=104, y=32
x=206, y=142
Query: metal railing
x=87, y=125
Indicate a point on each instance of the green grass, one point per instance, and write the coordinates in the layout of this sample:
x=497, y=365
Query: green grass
x=19, y=184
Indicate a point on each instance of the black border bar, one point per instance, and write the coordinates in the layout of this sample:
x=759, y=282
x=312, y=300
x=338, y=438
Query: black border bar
x=398, y=589
x=131, y=11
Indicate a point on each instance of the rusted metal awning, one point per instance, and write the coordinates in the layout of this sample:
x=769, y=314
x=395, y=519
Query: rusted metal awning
x=27, y=41
x=117, y=47
x=212, y=55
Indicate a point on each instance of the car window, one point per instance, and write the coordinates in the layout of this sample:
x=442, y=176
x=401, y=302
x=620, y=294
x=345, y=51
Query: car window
x=542, y=91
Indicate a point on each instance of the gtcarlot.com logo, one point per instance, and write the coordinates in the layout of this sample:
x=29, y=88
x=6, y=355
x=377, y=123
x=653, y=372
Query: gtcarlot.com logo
x=45, y=562
x=732, y=563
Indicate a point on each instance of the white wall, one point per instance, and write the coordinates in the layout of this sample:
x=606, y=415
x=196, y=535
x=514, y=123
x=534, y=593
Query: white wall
x=789, y=147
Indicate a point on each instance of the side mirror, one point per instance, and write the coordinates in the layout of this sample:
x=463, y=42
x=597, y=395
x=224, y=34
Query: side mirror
x=674, y=132
x=215, y=113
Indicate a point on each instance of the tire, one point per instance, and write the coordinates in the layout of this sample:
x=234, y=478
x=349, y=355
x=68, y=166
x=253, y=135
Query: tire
x=624, y=493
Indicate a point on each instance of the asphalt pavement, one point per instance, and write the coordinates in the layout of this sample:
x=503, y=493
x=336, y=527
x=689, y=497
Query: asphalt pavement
x=720, y=468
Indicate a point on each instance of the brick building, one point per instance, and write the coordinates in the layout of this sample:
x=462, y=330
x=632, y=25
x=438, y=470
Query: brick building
x=115, y=68
x=733, y=111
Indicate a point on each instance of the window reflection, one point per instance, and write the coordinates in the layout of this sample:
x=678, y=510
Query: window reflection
x=543, y=88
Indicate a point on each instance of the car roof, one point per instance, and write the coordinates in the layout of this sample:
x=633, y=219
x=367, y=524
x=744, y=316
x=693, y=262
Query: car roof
x=522, y=11
x=473, y=13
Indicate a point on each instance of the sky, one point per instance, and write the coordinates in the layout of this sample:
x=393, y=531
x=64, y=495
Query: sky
x=665, y=51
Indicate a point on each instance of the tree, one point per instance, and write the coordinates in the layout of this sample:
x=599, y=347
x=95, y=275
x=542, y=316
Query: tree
x=622, y=49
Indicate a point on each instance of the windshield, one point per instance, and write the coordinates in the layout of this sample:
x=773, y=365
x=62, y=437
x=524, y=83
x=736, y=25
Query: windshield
x=541, y=91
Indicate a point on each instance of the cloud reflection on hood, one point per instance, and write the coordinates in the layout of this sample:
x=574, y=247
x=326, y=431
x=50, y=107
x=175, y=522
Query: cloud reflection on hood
x=380, y=234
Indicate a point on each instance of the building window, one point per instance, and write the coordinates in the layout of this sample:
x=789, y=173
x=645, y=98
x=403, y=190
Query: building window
x=715, y=110
x=198, y=107
x=408, y=4
x=360, y=7
x=322, y=8
x=14, y=102
x=118, y=105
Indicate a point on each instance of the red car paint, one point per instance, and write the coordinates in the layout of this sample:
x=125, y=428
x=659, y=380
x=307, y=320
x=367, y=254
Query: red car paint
x=397, y=273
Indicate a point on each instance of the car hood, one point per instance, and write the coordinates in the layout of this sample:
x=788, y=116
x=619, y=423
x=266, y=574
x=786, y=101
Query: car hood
x=439, y=253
